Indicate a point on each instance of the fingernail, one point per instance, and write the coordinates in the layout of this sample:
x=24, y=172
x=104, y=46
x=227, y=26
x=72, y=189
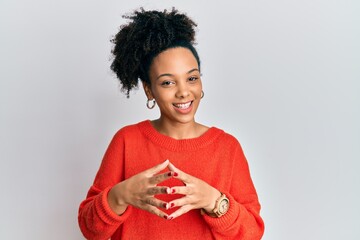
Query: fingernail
x=169, y=174
x=176, y=174
x=166, y=217
x=164, y=205
x=172, y=205
x=172, y=190
x=169, y=218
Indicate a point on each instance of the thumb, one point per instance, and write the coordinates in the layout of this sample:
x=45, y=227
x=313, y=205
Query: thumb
x=158, y=168
x=186, y=178
x=172, y=167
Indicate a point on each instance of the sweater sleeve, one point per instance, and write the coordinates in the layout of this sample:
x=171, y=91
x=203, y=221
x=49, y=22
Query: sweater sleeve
x=242, y=221
x=96, y=219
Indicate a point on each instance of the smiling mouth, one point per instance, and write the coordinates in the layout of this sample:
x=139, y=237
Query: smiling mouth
x=182, y=105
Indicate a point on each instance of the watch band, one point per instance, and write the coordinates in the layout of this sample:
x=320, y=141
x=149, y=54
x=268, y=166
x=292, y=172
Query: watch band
x=222, y=205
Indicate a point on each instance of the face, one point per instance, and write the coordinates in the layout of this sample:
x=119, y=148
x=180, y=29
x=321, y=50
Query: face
x=175, y=85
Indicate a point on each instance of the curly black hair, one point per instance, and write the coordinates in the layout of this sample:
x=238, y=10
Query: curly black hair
x=148, y=34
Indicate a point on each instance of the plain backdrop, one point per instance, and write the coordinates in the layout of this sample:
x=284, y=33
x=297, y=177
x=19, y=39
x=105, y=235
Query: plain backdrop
x=282, y=76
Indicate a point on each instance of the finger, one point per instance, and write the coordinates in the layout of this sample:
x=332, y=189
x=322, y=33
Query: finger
x=158, y=190
x=154, y=202
x=184, y=209
x=156, y=211
x=179, y=174
x=160, y=178
x=180, y=202
x=158, y=168
x=172, y=167
x=185, y=190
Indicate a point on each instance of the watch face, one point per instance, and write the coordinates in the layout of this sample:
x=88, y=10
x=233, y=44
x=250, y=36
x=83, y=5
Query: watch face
x=223, y=206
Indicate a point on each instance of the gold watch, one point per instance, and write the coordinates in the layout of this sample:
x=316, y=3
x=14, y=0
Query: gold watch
x=222, y=205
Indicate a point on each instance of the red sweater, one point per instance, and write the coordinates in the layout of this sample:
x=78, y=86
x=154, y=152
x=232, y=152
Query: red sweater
x=215, y=157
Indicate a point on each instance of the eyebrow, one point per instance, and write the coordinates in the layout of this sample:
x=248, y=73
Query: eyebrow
x=171, y=75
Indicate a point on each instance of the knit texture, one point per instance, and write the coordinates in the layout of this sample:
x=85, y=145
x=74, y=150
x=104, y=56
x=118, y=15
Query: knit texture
x=215, y=157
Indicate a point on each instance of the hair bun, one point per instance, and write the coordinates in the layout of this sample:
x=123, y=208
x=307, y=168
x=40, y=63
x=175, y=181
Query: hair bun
x=146, y=35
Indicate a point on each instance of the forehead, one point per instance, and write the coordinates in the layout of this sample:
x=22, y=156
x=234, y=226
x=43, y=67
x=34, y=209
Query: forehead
x=177, y=60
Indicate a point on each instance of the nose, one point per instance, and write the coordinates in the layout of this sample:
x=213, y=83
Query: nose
x=182, y=90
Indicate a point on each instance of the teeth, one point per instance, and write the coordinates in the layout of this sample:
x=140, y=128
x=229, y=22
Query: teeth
x=183, y=105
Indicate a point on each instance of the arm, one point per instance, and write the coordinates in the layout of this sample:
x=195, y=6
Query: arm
x=111, y=198
x=242, y=221
x=96, y=219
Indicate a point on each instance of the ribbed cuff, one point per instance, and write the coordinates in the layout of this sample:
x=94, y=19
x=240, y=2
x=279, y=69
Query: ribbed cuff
x=106, y=213
x=224, y=222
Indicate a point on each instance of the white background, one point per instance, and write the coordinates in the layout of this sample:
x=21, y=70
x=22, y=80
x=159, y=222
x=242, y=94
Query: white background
x=281, y=76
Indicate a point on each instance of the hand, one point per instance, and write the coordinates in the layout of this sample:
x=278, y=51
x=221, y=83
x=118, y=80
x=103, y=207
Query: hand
x=139, y=191
x=198, y=194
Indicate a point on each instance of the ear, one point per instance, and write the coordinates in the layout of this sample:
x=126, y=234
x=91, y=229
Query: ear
x=147, y=90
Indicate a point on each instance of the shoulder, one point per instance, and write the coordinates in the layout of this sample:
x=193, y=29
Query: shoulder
x=227, y=137
x=129, y=131
x=227, y=141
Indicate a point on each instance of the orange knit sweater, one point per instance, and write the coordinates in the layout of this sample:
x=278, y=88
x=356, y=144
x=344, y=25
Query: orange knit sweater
x=215, y=157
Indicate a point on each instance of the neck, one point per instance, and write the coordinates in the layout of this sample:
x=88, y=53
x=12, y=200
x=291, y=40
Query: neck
x=177, y=130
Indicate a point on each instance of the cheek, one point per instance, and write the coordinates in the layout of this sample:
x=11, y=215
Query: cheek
x=199, y=87
x=198, y=92
x=163, y=95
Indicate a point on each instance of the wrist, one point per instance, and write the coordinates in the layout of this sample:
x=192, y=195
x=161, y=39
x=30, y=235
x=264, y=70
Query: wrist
x=214, y=196
x=222, y=205
x=116, y=201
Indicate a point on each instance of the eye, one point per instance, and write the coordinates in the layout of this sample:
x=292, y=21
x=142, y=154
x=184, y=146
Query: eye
x=166, y=83
x=193, y=78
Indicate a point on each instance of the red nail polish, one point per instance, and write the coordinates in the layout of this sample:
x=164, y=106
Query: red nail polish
x=172, y=190
x=170, y=218
x=166, y=217
x=176, y=174
x=169, y=174
x=164, y=205
x=172, y=205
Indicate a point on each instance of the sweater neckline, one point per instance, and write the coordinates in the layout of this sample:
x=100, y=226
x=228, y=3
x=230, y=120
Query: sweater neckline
x=178, y=145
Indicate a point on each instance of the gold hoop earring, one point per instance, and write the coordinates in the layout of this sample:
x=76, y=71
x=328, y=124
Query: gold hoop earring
x=152, y=101
x=202, y=94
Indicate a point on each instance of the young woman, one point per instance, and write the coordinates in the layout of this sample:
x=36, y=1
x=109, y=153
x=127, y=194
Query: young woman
x=170, y=178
